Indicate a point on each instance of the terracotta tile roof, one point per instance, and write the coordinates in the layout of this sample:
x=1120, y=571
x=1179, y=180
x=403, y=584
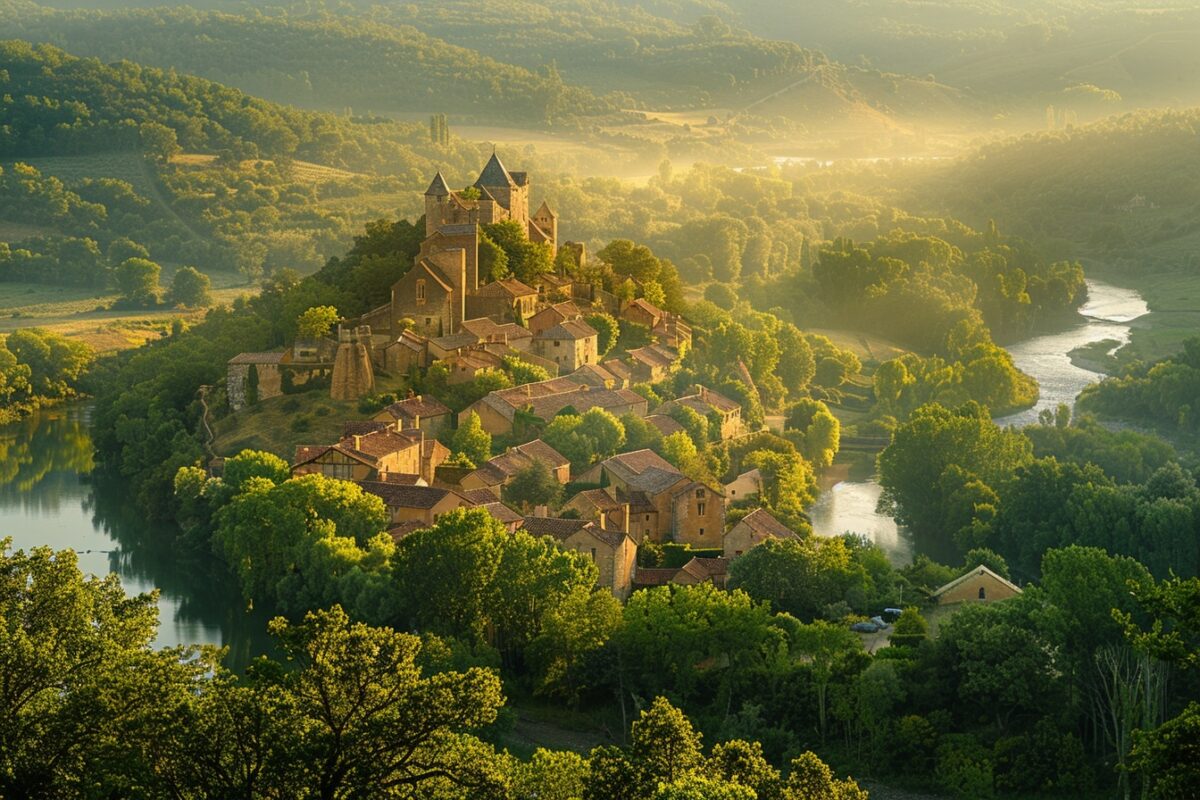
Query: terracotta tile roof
x=362, y=427
x=597, y=498
x=510, y=288
x=654, y=356
x=554, y=527
x=665, y=425
x=307, y=452
x=396, y=495
x=568, y=329
x=595, y=375
x=423, y=405
x=502, y=512
x=643, y=576
x=639, y=461
x=486, y=327
x=455, y=341
x=703, y=569
x=618, y=368
x=480, y=497
x=647, y=306
x=401, y=529
x=381, y=443
x=583, y=401
x=258, y=358
x=764, y=523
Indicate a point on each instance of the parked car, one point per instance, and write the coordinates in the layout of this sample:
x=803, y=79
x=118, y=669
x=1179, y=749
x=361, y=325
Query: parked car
x=864, y=627
x=892, y=614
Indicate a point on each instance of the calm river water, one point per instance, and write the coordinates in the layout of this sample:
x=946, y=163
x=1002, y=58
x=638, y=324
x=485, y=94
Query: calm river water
x=47, y=497
x=851, y=505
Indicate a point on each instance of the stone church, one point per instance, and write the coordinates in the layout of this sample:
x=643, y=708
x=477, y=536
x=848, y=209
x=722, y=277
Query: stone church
x=433, y=294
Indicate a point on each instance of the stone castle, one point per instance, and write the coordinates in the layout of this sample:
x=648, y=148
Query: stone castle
x=443, y=288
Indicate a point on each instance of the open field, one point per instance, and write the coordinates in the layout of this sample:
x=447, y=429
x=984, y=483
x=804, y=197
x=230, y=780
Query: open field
x=82, y=314
x=304, y=171
x=1174, y=300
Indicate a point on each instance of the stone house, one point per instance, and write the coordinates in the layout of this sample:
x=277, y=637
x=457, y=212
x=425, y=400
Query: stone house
x=487, y=331
x=642, y=312
x=542, y=400
x=503, y=301
x=664, y=504
x=499, y=471
x=600, y=507
x=696, y=571
x=652, y=363
x=751, y=531
x=430, y=295
x=748, y=484
x=980, y=585
x=570, y=344
x=552, y=315
x=403, y=355
x=613, y=552
x=424, y=412
x=420, y=504
x=597, y=376
x=373, y=455
x=714, y=406
x=673, y=332
x=665, y=425
x=266, y=367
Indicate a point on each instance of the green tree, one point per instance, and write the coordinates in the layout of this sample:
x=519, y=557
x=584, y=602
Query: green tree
x=367, y=716
x=910, y=629
x=137, y=281
x=609, y=331
x=534, y=485
x=84, y=693
x=471, y=440
x=572, y=632
x=799, y=576
x=190, y=288
x=664, y=744
x=316, y=322
x=249, y=464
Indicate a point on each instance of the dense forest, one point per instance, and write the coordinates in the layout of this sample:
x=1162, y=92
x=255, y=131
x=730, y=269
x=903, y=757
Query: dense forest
x=855, y=313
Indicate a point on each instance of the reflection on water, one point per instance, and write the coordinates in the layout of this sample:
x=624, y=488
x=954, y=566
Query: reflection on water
x=851, y=505
x=47, y=498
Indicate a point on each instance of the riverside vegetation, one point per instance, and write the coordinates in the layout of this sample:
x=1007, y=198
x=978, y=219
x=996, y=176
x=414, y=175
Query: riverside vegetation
x=865, y=301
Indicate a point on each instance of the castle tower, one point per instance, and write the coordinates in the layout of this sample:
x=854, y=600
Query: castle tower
x=436, y=198
x=353, y=376
x=510, y=191
x=545, y=221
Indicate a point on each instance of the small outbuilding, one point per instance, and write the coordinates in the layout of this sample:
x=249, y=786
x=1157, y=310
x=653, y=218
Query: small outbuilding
x=980, y=585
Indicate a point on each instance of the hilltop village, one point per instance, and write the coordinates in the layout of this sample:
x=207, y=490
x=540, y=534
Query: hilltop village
x=445, y=326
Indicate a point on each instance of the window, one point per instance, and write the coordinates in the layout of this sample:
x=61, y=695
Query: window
x=700, y=509
x=420, y=291
x=702, y=531
x=647, y=518
x=737, y=552
x=593, y=554
x=428, y=321
x=343, y=471
x=557, y=343
x=982, y=593
x=700, y=495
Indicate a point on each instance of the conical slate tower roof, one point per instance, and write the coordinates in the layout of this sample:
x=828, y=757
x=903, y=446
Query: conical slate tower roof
x=438, y=188
x=494, y=174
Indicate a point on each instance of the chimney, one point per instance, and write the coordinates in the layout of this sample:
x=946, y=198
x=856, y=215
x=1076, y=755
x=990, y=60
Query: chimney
x=625, y=514
x=357, y=441
x=603, y=521
x=541, y=511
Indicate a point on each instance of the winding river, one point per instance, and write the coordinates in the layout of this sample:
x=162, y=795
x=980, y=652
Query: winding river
x=851, y=505
x=47, y=497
